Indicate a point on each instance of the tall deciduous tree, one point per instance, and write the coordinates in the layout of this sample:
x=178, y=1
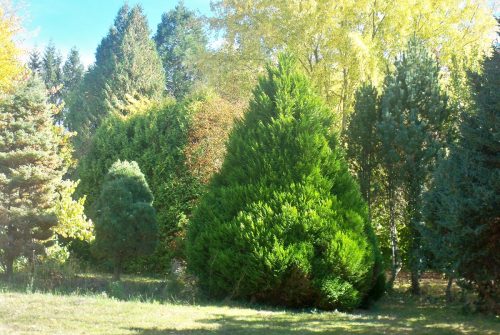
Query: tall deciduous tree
x=32, y=164
x=284, y=222
x=128, y=70
x=341, y=44
x=415, y=114
x=10, y=66
x=181, y=41
x=126, y=222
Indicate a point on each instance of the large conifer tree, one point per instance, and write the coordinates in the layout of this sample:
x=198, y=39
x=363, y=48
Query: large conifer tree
x=180, y=40
x=72, y=71
x=284, y=222
x=31, y=167
x=413, y=128
x=362, y=139
x=127, y=70
x=462, y=208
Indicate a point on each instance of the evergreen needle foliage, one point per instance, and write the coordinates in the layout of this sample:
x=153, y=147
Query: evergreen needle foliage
x=462, y=208
x=126, y=221
x=32, y=163
x=413, y=129
x=284, y=222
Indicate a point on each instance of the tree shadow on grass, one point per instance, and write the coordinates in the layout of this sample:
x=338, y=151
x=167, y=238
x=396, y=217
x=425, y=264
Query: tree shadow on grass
x=319, y=324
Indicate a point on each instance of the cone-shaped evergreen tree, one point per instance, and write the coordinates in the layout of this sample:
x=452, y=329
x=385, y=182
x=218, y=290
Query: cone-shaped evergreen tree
x=72, y=71
x=362, y=139
x=31, y=168
x=180, y=40
x=126, y=222
x=35, y=61
x=413, y=130
x=462, y=208
x=127, y=70
x=284, y=222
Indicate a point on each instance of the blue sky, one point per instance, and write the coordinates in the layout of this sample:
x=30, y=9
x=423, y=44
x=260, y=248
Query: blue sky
x=83, y=23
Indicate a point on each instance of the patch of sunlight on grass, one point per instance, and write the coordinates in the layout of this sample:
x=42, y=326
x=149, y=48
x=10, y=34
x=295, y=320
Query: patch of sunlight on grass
x=398, y=313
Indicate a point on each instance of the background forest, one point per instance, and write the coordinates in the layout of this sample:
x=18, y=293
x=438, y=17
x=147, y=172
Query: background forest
x=316, y=153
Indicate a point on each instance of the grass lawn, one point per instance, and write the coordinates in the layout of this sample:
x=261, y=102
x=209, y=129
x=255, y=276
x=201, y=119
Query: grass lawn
x=398, y=313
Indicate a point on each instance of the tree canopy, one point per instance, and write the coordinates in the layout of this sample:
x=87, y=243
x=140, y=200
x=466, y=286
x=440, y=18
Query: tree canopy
x=341, y=44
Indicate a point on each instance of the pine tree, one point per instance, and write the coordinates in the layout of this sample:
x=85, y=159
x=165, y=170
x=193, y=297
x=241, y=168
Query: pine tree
x=414, y=121
x=462, y=211
x=284, y=222
x=127, y=70
x=51, y=67
x=72, y=71
x=363, y=141
x=35, y=63
x=32, y=163
x=52, y=76
x=180, y=41
x=138, y=53
x=126, y=223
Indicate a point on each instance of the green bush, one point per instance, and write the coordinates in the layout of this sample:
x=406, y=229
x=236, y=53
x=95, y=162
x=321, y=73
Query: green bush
x=284, y=222
x=126, y=220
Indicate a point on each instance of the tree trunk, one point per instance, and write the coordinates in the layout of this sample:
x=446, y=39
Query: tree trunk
x=343, y=103
x=395, y=255
x=415, y=282
x=449, y=297
x=9, y=268
x=117, y=270
x=415, y=208
x=369, y=195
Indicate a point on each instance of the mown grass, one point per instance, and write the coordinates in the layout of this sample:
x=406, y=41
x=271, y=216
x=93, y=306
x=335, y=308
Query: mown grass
x=93, y=313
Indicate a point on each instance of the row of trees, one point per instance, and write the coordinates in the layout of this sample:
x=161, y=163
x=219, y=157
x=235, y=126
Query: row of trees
x=399, y=136
x=278, y=218
x=429, y=173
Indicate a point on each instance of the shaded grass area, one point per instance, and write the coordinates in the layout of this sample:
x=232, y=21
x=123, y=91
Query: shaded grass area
x=94, y=313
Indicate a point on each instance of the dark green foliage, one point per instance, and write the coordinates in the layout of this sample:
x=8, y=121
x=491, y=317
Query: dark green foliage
x=462, y=207
x=362, y=139
x=125, y=225
x=72, y=71
x=284, y=222
x=155, y=139
x=51, y=67
x=127, y=71
x=413, y=131
x=35, y=62
x=51, y=73
x=31, y=168
x=180, y=40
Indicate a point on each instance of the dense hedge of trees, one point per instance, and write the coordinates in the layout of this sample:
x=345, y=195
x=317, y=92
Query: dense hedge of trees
x=172, y=152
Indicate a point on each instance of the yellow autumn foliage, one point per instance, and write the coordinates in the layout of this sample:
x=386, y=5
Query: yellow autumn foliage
x=342, y=43
x=10, y=66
